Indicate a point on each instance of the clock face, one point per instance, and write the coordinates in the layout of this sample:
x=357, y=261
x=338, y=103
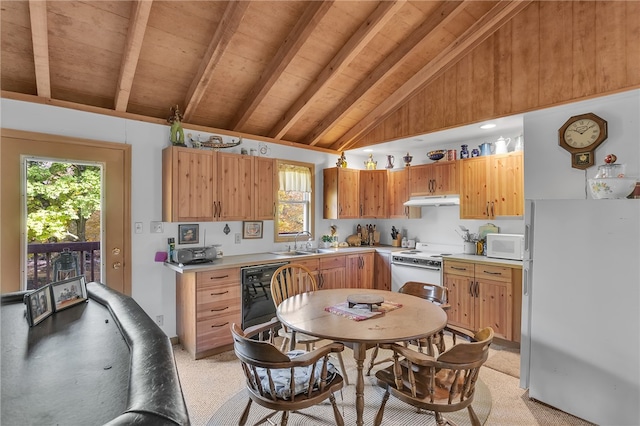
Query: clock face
x=582, y=133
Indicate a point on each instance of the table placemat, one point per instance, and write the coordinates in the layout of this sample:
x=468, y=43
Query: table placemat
x=361, y=312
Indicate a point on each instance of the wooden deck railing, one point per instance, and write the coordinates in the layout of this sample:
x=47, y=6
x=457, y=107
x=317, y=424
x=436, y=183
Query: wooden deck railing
x=41, y=259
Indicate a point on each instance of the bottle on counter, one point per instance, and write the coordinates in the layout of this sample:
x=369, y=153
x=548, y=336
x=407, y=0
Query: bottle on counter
x=172, y=248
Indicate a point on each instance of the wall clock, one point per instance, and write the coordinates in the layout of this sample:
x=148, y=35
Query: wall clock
x=581, y=135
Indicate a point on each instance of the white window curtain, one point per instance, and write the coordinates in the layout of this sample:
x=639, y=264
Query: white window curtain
x=294, y=178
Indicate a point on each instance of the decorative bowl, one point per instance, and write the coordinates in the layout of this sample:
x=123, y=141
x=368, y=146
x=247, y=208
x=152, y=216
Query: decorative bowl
x=612, y=187
x=437, y=154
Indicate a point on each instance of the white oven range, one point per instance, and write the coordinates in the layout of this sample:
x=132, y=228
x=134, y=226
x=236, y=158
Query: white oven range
x=422, y=264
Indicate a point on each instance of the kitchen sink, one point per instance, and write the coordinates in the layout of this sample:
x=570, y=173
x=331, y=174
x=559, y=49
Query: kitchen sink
x=296, y=252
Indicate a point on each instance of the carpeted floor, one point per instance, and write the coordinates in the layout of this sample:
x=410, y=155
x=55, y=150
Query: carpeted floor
x=209, y=383
x=395, y=413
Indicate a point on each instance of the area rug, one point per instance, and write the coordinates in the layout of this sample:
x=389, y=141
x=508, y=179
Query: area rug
x=505, y=360
x=395, y=413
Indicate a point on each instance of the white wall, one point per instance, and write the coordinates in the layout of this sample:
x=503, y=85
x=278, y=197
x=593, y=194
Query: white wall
x=547, y=166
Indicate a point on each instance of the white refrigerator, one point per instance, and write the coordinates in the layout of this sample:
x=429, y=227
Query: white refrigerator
x=580, y=348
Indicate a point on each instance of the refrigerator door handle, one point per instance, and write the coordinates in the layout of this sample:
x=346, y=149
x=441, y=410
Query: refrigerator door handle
x=525, y=282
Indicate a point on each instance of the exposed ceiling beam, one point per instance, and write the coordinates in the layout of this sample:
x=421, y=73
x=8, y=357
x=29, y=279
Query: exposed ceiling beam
x=140, y=11
x=369, y=28
x=445, y=14
x=231, y=19
x=476, y=34
x=290, y=47
x=40, y=39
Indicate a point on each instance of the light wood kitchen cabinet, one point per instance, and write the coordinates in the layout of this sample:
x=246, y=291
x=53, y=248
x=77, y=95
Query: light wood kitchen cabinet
x=397, y=194
x=188, y=184
x=492, y=186
x=329, y=271
x=341, y=193
x=207, y=303
x=235, y=186
x=439, y=178
x=332, y=272
x=203, y=186
x=373, y=190
x=382, y=271
x=484, y=295
x=507, y=184
x=264, y=194
x=359, y=270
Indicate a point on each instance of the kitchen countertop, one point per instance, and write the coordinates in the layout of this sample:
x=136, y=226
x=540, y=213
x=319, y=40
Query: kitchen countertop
x=484, y=259
x=266, y=258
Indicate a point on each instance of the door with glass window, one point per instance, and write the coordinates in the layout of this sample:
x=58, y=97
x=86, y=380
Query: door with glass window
x=115, y=241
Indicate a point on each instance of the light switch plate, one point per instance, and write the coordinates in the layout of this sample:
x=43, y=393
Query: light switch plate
x=138, y=227
x=156, y=227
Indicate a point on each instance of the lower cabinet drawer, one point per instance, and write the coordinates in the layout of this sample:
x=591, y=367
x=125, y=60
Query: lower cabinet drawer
x=459, y=268
x=495, y=273
x=215, y=332
x=216, y=300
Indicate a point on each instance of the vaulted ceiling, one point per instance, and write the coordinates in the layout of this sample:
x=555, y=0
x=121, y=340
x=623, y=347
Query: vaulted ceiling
x=318, y=73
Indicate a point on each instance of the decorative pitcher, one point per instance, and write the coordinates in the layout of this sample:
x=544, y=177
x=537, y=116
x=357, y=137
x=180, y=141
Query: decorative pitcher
x=502, y=145
x=390, y=160
x=485, y=148
x=519, y=144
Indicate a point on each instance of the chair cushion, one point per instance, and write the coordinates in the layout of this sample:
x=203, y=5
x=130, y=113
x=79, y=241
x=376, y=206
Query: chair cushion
x=282, y=377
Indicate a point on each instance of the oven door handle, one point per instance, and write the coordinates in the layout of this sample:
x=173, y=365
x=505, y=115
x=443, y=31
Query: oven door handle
x=431, y=268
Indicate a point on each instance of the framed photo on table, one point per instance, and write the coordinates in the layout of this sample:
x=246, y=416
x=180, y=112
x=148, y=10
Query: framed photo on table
x=188, y=234
x=39, y=305
x=252, y=229
x=68, y=293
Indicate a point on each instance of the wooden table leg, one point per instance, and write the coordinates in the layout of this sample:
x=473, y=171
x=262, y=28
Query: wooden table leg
x=359, y=354
x=292, y=343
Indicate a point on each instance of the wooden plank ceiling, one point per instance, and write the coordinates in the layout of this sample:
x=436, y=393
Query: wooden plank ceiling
x=318, y=73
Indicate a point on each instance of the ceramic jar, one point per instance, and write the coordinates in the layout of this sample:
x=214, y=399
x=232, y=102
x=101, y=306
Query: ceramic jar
x=464, y=152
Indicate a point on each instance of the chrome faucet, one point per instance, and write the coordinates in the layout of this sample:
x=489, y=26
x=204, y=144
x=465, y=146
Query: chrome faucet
x=295, y=240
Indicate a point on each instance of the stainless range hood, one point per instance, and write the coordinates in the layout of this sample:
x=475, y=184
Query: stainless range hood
x=442, y=200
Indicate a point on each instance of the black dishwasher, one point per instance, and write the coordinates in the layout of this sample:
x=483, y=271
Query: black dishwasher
x=257, y=304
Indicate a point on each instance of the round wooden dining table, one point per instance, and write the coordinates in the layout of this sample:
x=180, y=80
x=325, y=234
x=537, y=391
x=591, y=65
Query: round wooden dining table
x=416, y=318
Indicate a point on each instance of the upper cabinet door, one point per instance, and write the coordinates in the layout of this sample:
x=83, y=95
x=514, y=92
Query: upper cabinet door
x=373, y=189
x=341, y=193
x=188, y=185
x=474, y=177
x=440, y=178
x=264, y=188
x=507, y=185
x=235, y=186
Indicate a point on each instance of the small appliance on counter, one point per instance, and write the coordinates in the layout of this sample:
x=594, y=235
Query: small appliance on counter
x=194, y=255
x=505, y=246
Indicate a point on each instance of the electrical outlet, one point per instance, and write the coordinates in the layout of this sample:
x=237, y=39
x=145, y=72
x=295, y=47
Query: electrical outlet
x=156, y=227
x=160, y=320
x=138, y=227
x=238, y=238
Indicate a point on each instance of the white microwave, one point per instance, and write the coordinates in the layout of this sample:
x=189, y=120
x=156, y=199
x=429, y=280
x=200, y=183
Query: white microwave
x=505, y=246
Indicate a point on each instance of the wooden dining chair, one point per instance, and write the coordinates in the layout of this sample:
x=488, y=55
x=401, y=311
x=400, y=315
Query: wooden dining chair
x=441, y=384
x=268, y=373
x=289, y=280
x=433, y=293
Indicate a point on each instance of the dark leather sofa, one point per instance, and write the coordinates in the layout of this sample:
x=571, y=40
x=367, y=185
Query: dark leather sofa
x=153, y=392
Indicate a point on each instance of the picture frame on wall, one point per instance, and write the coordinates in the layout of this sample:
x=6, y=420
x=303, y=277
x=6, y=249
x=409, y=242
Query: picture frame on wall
x=252, y=229
x=188, y=234
x=39, y=305
x=68, y=293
